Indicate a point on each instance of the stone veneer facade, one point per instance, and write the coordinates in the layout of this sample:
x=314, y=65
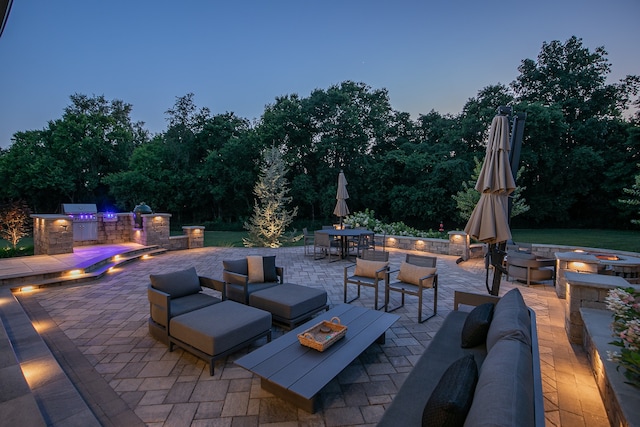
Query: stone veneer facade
x=53, y=233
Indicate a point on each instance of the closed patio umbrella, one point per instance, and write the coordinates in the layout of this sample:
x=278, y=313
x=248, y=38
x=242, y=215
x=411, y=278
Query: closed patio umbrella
x=489, y=221
x=341, y=210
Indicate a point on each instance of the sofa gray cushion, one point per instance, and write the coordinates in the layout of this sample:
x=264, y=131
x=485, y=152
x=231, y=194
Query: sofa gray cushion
x=450, y=402
x=476, y=326
x=504, y=393
x=510, y=320
x=178, y=283
x=239, y=266
x=289, y=301
x=220, y=327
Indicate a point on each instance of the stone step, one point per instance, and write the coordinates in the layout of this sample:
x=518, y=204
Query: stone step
x=86, y=271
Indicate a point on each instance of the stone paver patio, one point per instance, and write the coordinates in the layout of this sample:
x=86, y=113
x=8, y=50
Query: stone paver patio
x=98, y=332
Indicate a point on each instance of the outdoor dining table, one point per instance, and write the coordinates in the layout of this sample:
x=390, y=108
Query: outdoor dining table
x=344, y=235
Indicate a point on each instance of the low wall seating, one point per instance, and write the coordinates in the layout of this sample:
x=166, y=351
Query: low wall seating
x=176, y=293
x=528, y=268
x=482, y=368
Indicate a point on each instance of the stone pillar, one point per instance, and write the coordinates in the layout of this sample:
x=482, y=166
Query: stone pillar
x=154, y=231
x=459, y=244
x=586, y=290
x=195, y=236
x=52, y=234
x=578, y=262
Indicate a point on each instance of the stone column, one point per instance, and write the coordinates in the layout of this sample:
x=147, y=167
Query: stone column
x=52, y=234
x=195, y=236
x=578, y=262
x=154, y=231
x=459, y=244
x=586, y=291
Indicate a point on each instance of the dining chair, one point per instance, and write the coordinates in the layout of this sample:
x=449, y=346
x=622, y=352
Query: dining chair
x=416, y=275
x=323, y=244
x=370, y=271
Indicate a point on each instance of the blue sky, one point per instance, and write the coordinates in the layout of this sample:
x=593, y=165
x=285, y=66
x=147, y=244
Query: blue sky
x=240, y=55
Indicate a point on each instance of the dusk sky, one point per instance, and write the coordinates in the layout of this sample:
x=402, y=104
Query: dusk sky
x=238, y=56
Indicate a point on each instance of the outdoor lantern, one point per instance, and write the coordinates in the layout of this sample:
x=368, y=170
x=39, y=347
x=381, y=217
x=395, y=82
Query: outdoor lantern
x=138, y=211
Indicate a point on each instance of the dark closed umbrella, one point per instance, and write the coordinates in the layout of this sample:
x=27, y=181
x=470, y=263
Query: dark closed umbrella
x=489, y=221
x=341, y=210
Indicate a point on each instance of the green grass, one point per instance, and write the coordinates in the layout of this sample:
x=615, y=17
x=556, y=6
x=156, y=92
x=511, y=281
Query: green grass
x=604, y=239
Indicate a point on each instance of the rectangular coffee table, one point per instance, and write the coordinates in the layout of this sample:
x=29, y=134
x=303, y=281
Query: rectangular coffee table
x=297, y=373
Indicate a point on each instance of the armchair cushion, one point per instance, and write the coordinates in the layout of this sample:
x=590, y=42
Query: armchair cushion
x=178, y=283
x=369, y=269
x=410, y=273
x=262, y=269
x=239, y=266
x=476, y=326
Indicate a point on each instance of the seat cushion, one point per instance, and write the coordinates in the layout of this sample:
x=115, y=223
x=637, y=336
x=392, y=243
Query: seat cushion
x=220, y=327
x=289, y=301
x=412, y=274
x=178, y=283
x=236, y=292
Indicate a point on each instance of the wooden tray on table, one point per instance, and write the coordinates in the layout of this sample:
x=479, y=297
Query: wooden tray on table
x=323, y=335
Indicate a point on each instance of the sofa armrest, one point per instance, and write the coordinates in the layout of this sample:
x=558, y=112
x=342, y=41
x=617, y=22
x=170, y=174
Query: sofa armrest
x=161, y=299
x=468, y=298
x=235, y=278
x=216, y=285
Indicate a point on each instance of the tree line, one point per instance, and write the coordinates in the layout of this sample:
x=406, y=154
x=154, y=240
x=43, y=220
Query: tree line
x=580, y=151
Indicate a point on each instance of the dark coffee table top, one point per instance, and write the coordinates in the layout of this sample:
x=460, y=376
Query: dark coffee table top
x=305, y=371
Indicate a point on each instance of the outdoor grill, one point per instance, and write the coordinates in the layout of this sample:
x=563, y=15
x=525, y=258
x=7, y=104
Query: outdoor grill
x=85, y=220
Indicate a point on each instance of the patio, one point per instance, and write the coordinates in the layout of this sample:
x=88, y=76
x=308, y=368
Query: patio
x=98, y=332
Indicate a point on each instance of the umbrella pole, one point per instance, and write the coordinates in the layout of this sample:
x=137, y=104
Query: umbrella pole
x=497, y=254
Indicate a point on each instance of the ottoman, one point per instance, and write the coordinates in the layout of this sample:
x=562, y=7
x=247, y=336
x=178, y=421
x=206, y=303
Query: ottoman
x=290, y=304
x=218, y=330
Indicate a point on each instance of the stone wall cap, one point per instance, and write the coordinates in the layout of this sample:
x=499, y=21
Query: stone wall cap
x=599, y=280
x=50, y=216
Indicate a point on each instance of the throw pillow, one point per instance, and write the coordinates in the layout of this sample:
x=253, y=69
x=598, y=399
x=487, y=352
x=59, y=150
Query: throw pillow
x=178, y=283
x=476, y=326
x=451, y=400
x=410, y=273
x=261, y=269
x=366, y=268
x=256, y=269
x=238, y=266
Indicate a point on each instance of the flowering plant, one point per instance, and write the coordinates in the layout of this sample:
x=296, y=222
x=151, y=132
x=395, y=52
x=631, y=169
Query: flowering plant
x=625, y=304
x=368, y=220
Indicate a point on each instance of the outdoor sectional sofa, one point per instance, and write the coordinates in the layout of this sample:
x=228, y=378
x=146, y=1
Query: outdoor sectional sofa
x=204, y=325
x=493, y=381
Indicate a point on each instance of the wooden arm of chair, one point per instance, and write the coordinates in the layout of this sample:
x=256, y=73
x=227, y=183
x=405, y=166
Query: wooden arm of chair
x=468, y=298
x=216, y=285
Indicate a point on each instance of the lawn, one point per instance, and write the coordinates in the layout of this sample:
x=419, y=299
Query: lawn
x=604, y=239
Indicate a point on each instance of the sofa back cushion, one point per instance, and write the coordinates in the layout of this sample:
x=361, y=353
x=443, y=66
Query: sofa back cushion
x=238, y=266
x=178, y=283
x=504, y=394
x=510, y=320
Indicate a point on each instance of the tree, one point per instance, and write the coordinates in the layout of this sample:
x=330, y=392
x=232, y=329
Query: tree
x=634, y=198
x=468, y=197
x=270, y=216
x=14, y=222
